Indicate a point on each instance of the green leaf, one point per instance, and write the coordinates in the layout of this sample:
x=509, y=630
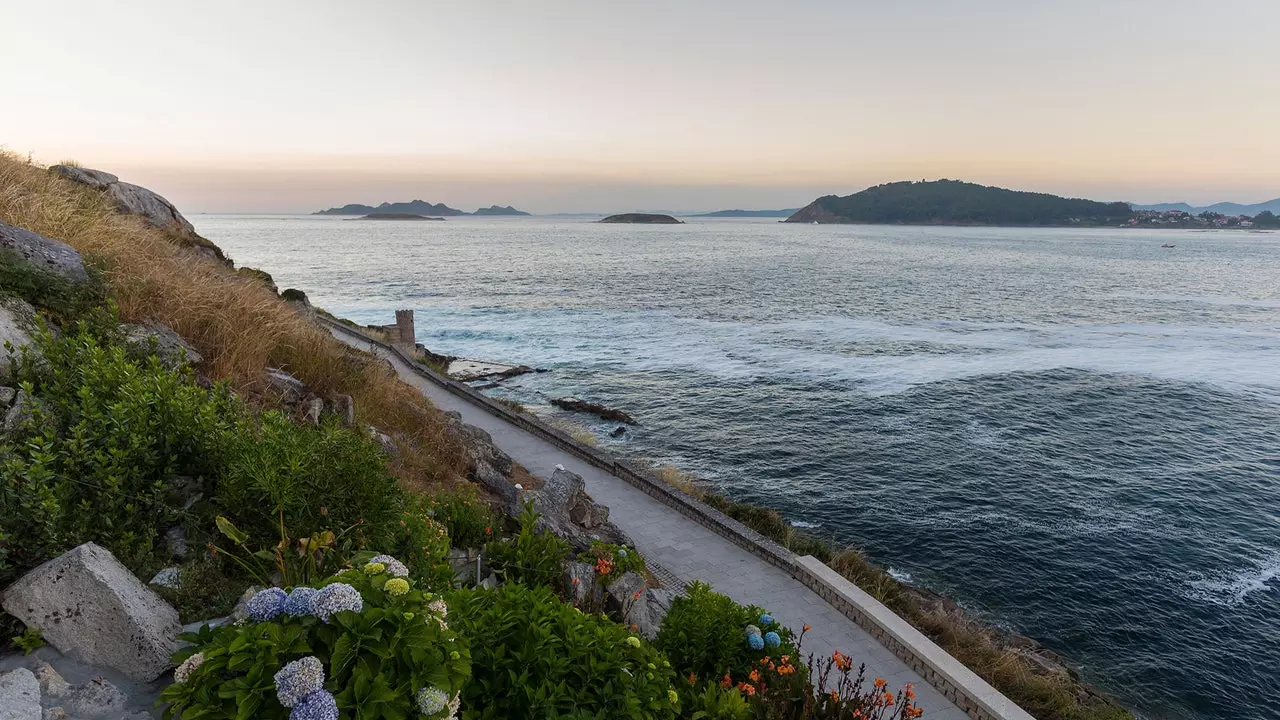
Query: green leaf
x=231, y=531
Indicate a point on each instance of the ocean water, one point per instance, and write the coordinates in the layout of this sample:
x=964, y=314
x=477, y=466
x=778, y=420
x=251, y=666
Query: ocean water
x=1074, y=433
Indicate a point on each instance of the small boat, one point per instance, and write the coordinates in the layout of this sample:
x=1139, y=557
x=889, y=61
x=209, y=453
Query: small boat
x=1168, y=245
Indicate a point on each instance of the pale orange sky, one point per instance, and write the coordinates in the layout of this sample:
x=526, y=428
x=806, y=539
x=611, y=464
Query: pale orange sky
x=562, y=105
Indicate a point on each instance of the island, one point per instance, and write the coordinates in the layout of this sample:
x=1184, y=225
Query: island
x=953, y=202
x=416, y=207
x=748, y=213
x=497, y=210
x=395, y=216
x=642, y=218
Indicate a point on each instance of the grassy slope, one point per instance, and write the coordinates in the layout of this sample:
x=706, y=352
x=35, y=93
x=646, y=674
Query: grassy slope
x=237, y=324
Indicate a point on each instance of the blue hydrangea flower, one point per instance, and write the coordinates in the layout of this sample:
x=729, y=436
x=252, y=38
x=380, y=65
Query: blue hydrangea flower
x=299, y=602
x=266, y=605
x=766, y=619
x=319, y=705
x=432, y=700
x=299, y=679
x=772, y=639
x=336, y=598
x=756, y=642
x=394, y=567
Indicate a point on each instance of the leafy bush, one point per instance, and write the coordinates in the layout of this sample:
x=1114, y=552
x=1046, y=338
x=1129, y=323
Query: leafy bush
x=465, y=516
x=532, y=557
x=536, y=657
x=705, y=634
x=424, y=544
x=51, y=292
x=100, y=456
x=381, y=646
x=612, y=561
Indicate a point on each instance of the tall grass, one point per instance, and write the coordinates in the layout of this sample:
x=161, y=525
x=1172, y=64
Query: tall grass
x=237, y=324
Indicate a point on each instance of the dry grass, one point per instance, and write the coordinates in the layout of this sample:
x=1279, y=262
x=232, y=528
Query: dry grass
x=237, y=324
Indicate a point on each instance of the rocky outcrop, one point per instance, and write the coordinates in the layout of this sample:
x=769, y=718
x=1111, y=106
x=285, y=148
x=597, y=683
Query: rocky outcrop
x=19, y=695
x=17, y=323
x=170, y=347
x=604, y=413
x=136, y=200
x=94, y=610
x=50, y=255
x=565, y=508
x=21, y=410
x=490, y=466
x=286, y=388
x=636, y=605
x=257, y=275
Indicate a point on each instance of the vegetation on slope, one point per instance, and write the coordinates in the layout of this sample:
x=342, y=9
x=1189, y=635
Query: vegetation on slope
x=952, y=202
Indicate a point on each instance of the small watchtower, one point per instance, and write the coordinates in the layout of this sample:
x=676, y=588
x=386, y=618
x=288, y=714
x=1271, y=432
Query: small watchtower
x=407, y=337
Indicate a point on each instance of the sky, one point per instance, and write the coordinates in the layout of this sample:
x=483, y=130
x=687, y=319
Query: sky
x=576, y=106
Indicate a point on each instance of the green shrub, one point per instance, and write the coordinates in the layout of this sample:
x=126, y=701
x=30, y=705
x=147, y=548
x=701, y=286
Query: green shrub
x=711, y=701
x=101, y=456
x=705, y=634
x=376, y=659
x=612, y=561
x=424, y=544
x=466, y=517
x=532, y=557
x=58, y=296
x=536, y=657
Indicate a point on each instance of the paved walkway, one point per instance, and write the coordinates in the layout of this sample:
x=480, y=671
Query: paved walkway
x=689, y=550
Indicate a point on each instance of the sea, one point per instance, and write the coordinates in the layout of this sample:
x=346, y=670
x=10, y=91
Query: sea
x=1074, y=433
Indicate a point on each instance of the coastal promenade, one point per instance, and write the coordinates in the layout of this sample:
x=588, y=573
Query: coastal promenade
x=686, y=548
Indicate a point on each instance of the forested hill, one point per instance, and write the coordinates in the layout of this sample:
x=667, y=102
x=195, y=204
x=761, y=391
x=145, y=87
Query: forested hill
x=952, y=202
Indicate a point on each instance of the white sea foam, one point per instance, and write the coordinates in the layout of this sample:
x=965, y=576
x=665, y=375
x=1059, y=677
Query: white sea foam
x=804, y=524
x=900, y=575
x=1231, y=587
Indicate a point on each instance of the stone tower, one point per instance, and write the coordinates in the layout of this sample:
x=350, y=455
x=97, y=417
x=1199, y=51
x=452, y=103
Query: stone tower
x=408, y=338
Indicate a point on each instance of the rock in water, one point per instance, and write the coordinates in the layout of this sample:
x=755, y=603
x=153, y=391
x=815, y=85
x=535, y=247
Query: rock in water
x=19, y=695
x=94, y=610
x=45, y=253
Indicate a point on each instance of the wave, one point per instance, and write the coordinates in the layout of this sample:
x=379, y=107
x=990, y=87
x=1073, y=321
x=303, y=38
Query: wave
x=1231, y=588
x=880, y=358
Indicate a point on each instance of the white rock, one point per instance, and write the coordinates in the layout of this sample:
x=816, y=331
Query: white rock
x=52, y=684
x=96, y=699
x=92, y=609
x=19, y=695
x=169, y=577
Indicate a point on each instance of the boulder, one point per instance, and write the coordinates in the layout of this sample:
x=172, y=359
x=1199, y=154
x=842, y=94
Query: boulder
x=170, y=577
x=289, y=389
x=298, y=299
x=17, y=323
x=385, y=441
x=561, y=499
x=56, y=713
x=580, y=581
x=136, y=200
x=96, y=698
x=19, y=695
x=52, y=684
x=312, y=408
x=490, y=466
x=637, y=605
x=7, y=396
x=94, y=610
x=257, y=275
x=45, y=253
x=175, y=539
x=171, y=348
x=22, y=410
x=345, y=407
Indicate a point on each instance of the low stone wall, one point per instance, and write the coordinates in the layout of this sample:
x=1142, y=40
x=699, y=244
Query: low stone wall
x=948, y=675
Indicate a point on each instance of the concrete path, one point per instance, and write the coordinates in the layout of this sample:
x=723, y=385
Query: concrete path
x=689, y=550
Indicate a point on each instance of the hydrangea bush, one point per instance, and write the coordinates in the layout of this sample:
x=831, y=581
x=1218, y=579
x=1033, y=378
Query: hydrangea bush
x=367, y=643
x=710, y=635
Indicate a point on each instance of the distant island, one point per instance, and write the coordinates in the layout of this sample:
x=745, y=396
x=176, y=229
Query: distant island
x=415, y=207
x=1229, y=209
x=749, y=213
x=953, y=202
x=496, y=210
x=395, y=216
x=642, y=218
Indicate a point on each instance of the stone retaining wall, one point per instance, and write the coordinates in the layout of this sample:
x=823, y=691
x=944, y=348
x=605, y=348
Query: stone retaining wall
x=949, y=676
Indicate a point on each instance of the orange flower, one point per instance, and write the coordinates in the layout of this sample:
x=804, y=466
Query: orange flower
x=692, y=679
x=808, y=627
x=575, y=581
x=880, y=683
x=888, y=698
x=755, y=675
x=835, y=696
x=786, y=670
x=786, y=658
x=747, y=688
x=727, y=681
x=488, y=529
x=636, y=596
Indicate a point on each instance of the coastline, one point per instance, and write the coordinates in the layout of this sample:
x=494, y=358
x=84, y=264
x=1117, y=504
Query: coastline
x=1037, y=678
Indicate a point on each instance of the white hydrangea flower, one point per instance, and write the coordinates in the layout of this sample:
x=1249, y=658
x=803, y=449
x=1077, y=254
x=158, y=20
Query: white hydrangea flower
x=183, y=672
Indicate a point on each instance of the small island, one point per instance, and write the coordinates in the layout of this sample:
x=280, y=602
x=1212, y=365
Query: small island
x=396, y=216
x=643, y=219
x=497, y=210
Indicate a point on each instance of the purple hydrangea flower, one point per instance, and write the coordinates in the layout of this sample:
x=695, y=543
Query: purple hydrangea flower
x=266, y=605
x=335, y=598
x=299, y=602
x=756, y=642
x=319, y=705
x=772, y=639
x=394, y=567
x=299, y=679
